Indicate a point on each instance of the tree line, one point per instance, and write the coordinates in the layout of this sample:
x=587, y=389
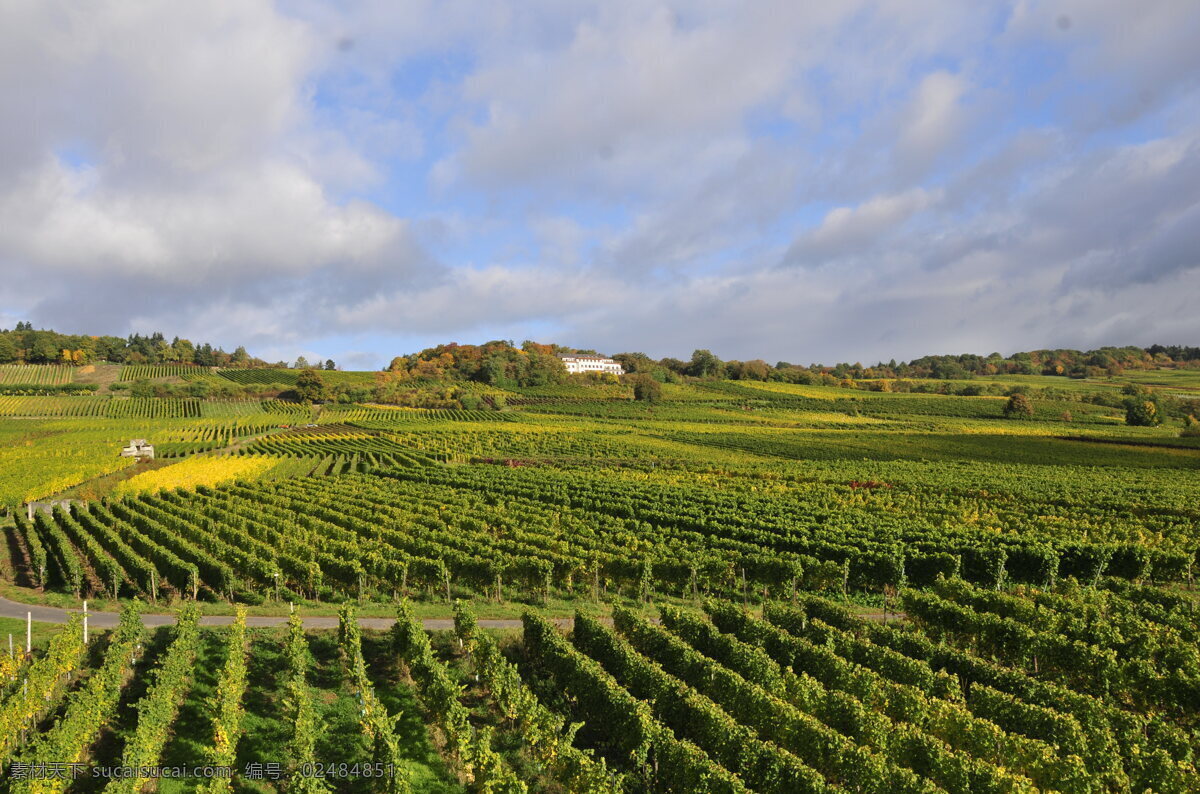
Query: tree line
x=24, y=345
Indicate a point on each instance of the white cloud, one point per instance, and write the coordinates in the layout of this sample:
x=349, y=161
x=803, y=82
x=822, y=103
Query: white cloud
x=617, y=173
x=168, y=158
x=933, y=119
x=471, y=299
x=857, y=229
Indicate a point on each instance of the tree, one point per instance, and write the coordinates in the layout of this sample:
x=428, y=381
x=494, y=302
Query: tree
x=184, y=351
x=749, y=370
x=635, y=362
x=1191, y=427
x=301, y=363
x=329, y=365
x=646, y=388
x=1143, y=411
x=310, y=386
x=43, y=350
x=8, y=351
x=705, y=365
x=1019, y=407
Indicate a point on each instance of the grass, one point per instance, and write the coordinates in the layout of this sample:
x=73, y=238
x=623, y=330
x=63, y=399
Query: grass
x=193, y=728
x=15, y=628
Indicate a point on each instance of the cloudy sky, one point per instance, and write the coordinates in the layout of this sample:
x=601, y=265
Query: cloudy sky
x=803, y=181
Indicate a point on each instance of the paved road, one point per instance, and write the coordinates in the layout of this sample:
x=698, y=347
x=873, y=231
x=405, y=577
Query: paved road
x=103, y=620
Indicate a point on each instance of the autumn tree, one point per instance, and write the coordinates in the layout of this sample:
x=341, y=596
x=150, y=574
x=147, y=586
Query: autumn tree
x=1019, y=407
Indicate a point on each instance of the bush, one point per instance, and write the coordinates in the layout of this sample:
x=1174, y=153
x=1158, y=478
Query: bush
x=1018, y=407
x=1191, y=428
x=646, y=388
x=1143, y=411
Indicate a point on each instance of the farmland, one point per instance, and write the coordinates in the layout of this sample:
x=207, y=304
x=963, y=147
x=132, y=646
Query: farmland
x=743, y=587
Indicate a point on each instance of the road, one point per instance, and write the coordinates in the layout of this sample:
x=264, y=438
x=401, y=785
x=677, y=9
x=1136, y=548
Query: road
x=106, y=620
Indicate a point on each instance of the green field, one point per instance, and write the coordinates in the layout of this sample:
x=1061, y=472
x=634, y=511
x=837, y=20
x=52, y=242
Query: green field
x=1036, y=577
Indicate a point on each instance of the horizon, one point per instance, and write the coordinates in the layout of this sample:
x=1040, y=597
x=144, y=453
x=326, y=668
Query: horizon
x=858, y=183
x=683, y=356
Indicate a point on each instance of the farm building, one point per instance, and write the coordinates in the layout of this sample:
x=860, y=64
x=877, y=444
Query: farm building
x=583, y=363
x=138, y=448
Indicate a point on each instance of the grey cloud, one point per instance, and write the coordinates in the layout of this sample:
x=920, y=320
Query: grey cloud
x=216, y=192
x=1145, y=52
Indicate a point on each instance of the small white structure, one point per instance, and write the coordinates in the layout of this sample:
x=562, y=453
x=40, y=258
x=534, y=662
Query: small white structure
x=138, y=448
x=576, y=363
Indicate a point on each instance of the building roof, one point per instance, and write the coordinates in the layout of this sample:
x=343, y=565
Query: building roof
x=584, y=357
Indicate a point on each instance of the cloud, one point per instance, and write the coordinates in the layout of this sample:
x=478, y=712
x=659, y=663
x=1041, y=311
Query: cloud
x=852, y=180
x=858, y=229
x=1126, y=60
x=164, y=166
x=932, y=121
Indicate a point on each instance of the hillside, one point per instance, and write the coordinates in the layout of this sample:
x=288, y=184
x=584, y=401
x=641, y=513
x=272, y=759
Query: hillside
x=909, y=581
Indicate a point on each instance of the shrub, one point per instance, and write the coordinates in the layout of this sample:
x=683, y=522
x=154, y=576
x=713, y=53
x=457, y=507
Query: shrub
x=1019, y=407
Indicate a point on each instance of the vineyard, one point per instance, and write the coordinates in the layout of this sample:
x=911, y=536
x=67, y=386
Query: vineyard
x=800, y=695
x=743, y=587
x=288, y=376
x=151, y=371
x=23, y=375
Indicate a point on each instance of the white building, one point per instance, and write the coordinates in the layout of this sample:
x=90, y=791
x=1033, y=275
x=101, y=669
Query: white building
x=138, y=448
x=576, y=363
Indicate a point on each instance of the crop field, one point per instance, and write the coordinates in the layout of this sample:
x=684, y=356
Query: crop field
x=152, y=371
x=288, y=376
x=23, y=375
x=743, y=587
x=1186, y=381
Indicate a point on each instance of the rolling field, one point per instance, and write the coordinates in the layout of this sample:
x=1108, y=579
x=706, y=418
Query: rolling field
x=745, y=587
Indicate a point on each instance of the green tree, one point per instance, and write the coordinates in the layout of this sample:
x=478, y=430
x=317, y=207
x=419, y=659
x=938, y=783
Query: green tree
x=8, y=351
x=705, y=365
x=635, y=362
x=329, y=365
x=494, y=371
x=43, y=350
x=1191, y=427
x=646, y=388
x=1143, y=411
x=184, y=351
x=1019, y=407
x=310, y=386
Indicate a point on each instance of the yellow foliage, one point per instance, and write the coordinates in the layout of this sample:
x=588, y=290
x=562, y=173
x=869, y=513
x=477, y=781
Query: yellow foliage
x=199, y=470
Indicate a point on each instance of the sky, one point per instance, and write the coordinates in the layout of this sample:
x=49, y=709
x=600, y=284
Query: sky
x=808, y=182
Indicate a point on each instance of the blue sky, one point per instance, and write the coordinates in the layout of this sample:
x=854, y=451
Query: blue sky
x=863, y=181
